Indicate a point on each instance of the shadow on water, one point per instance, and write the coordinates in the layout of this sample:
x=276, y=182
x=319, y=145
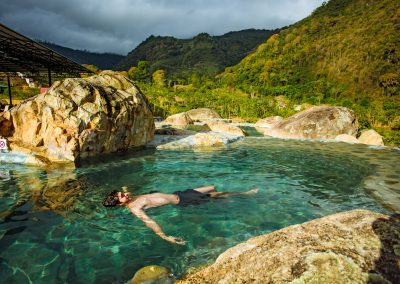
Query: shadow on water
x=116, y=157
x=388, y=264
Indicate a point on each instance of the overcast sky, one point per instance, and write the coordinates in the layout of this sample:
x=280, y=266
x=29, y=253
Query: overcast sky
x=118, y=26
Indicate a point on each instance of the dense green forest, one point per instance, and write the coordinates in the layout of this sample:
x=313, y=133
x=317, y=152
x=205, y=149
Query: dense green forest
x=345, y=53
x=203, y=55
x=101, y=60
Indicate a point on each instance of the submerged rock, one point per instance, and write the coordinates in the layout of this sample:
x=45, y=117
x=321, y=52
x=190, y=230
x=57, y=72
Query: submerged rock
x=210, y=139
x=357, y=246
x=153, y=274
x=223, y=127
x=322, y=122
x=371, y=137
x=83, y=117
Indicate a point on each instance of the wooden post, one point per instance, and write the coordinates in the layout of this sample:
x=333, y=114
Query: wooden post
x=49, y=74
x=9, y=90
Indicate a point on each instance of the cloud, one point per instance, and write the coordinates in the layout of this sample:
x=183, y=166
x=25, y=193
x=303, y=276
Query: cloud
x=120, y=25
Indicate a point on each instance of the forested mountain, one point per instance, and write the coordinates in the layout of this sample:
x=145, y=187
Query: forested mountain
x=347, y=52
x=202, y=55
x=101, y=60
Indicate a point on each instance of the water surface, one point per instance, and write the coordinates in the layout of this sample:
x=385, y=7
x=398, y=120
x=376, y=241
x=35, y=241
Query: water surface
x=50, y=237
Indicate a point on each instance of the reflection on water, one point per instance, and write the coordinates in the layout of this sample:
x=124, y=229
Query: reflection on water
x=54, y=229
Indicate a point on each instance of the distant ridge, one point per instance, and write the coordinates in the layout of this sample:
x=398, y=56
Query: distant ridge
x=101, y=60
x=202, y=55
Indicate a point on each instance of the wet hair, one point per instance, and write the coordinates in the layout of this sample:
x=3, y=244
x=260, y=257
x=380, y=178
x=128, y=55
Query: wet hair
x=111, y=200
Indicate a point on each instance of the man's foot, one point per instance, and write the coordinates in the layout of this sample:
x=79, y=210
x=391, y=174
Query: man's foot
x=251, y=191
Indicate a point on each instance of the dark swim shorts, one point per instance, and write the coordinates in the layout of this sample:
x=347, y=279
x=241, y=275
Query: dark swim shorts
x=190, y=196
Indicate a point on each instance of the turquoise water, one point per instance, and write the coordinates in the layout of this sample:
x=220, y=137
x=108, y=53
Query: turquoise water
x=79, y=241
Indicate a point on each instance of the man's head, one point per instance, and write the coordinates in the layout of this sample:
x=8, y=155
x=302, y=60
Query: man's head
x=111, y=199
x=115, y=198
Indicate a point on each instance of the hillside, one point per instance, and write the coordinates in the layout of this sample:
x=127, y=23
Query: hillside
x=103, y=61
x=346, y=53
x=203, y=54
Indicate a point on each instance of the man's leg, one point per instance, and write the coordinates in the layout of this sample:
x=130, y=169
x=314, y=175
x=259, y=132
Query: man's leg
x=205, y=189
x=229, y=194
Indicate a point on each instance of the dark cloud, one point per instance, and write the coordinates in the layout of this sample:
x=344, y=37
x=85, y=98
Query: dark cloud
x=120, y=25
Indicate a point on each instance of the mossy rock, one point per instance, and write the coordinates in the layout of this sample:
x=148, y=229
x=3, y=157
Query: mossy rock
x=153, y=274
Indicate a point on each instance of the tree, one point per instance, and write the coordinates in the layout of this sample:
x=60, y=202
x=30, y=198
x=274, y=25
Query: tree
x=159, y=78
x=143, y=71
x=132, y=72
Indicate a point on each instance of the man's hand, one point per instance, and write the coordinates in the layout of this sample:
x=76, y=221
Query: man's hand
x=138, y=212
x=174, y=240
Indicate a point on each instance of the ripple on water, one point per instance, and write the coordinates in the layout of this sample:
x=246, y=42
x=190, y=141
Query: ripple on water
x=87, y=243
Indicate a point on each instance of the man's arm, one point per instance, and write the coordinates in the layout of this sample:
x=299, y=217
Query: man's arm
x=155, y=227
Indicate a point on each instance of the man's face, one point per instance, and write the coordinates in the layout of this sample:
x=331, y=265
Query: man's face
x=122, y=197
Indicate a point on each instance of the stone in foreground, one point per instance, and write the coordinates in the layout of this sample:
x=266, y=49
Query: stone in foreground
x=83, y=117
x=322, y=122
x=371, y=137
x=152, y=274
x=357, y=246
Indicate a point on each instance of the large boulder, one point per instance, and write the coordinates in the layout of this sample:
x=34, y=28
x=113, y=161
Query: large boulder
x=371, y=137
x=352, y=247
x=179, y=119
x=322, y=122
x=83, y=117
x=202, y=114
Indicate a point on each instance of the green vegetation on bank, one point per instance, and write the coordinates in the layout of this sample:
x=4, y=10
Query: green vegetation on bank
x=228, y=102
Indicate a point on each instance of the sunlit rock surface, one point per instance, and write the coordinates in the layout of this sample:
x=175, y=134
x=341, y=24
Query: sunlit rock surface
x=322, y=122
x=347, y=138
x=83, y=117
x=357, y=246
x=179, y=119
x=371, y=137
x=202, y=114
